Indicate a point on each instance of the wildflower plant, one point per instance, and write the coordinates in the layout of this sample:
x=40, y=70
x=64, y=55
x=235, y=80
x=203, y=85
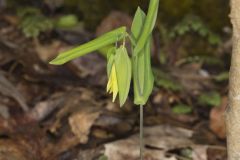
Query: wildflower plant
x=121, y=68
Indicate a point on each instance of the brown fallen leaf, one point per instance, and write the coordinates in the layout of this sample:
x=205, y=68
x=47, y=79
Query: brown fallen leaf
x=114, y=20
x=191, y=78
x=4, y=112
x=15, y=149
x=44, y=108
x=163, y=138
x=84, y=67
x=89, y=154
x=21, y=49
x=73, y=123
x=217, y=153
x=82, y=122
x=203, y=134
x=66, y=143
x=168, y=137
x=5, y=56
x=75, y=101
x=128, y=149
x=101, y=134
x=3, y=4
x=160, y=141
x=8, y=89
x=47, y=52
x=115, y=124
x=217, y=120
x=200, y=152
x=9, y=151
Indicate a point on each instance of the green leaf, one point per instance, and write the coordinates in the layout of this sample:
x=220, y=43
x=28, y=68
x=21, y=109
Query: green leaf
x=181, y=109
x=139, y=61
x=186, y=152
x=211, y=99
x=143, y=79
x=139, y=69
x=203, y=31
x=32, y=25
x=166, y=81
x=137, y=24
x=67, y=21
x=32, y=21
x=224, y=76
x=103, y=157
x=102, y=41
x=183, y=30
x=104, y=51
x=149, y=78
x=142, y=72
x=214, y=39
x=196, y=25
x=148, y=26
x=162, y=57
x=124, y=73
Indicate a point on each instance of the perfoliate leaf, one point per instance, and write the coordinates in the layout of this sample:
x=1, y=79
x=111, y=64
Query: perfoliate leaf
x=139, y=69
x=102, y=41
x=138, y=61
x=142, y=73
x=143, y=79
x=149, y=78
x=124, y=73
x=148, y=26
x=137, y=24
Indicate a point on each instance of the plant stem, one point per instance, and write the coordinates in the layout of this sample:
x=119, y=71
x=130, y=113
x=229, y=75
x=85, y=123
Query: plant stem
x=141, y=133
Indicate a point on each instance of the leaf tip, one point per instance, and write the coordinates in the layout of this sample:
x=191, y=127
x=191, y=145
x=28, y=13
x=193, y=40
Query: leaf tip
x=55, y=62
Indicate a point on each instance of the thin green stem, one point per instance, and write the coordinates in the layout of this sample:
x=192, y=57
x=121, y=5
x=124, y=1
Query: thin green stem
x=141, y=133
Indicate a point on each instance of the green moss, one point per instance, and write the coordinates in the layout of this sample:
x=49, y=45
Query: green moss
x=165, y=81
x=210, y=99
x=182, y=109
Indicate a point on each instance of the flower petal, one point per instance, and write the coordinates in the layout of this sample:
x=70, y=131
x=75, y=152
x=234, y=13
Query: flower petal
x=109, y=85
x=114, y=82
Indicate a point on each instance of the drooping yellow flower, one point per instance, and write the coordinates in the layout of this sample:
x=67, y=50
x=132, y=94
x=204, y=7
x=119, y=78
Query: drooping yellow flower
x=112, y=85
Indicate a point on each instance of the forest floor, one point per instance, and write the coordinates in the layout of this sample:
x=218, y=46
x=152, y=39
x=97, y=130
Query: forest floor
x=63, y=112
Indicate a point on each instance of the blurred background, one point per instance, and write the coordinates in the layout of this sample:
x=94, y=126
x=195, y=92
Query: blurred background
x=63, y=112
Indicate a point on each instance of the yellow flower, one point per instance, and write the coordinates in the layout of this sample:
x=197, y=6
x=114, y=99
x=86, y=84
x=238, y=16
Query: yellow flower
x=112, y=85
